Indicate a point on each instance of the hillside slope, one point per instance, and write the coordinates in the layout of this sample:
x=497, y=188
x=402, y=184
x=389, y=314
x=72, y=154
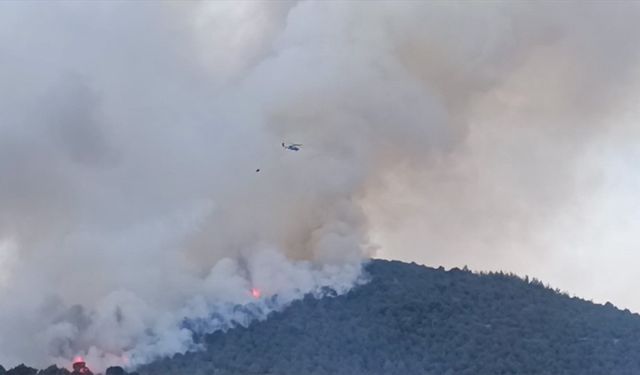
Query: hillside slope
x=413, y=319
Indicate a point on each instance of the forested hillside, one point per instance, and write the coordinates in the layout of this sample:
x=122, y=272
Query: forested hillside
x=411, y=319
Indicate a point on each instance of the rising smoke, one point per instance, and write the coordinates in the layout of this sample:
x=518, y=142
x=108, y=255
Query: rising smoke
x=131, y=212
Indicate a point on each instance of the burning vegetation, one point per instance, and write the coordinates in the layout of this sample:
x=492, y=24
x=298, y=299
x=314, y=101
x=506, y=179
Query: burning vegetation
x=80, y=367
x=256, y=293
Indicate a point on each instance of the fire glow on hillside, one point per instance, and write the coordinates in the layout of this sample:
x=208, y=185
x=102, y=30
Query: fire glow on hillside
x=256, y=293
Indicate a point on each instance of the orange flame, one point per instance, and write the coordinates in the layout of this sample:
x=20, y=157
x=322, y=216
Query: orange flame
x=77, y=359
x=255, y=292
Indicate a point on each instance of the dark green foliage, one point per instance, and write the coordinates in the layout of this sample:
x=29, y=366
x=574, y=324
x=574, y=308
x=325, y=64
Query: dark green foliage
x=412, y=319
x=54, y=370
x=22, y=370
x=115, y=370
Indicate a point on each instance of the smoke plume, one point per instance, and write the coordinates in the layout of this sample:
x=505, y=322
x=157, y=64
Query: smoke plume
x=132, y=213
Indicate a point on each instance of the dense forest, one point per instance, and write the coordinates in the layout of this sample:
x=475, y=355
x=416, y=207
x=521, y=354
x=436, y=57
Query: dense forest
x=411, y=319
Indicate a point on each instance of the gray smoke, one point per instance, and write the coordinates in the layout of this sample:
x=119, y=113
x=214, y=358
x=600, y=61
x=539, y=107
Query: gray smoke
x=131, y=211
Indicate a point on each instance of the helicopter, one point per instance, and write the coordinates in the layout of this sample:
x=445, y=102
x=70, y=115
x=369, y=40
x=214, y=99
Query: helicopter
x=292, y=146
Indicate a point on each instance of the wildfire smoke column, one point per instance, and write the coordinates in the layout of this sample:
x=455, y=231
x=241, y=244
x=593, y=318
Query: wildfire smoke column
x=130, y=134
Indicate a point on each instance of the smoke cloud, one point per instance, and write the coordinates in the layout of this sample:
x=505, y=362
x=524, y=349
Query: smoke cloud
x=131, y=214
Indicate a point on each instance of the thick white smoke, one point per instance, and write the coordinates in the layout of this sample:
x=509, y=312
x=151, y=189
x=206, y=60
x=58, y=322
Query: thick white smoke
x=131, y=211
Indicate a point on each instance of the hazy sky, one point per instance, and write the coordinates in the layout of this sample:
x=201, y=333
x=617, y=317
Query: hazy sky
x=498, y=135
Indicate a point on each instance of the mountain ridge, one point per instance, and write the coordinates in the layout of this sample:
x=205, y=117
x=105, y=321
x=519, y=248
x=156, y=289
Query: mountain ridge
x=420, y=320
x=414, y=319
